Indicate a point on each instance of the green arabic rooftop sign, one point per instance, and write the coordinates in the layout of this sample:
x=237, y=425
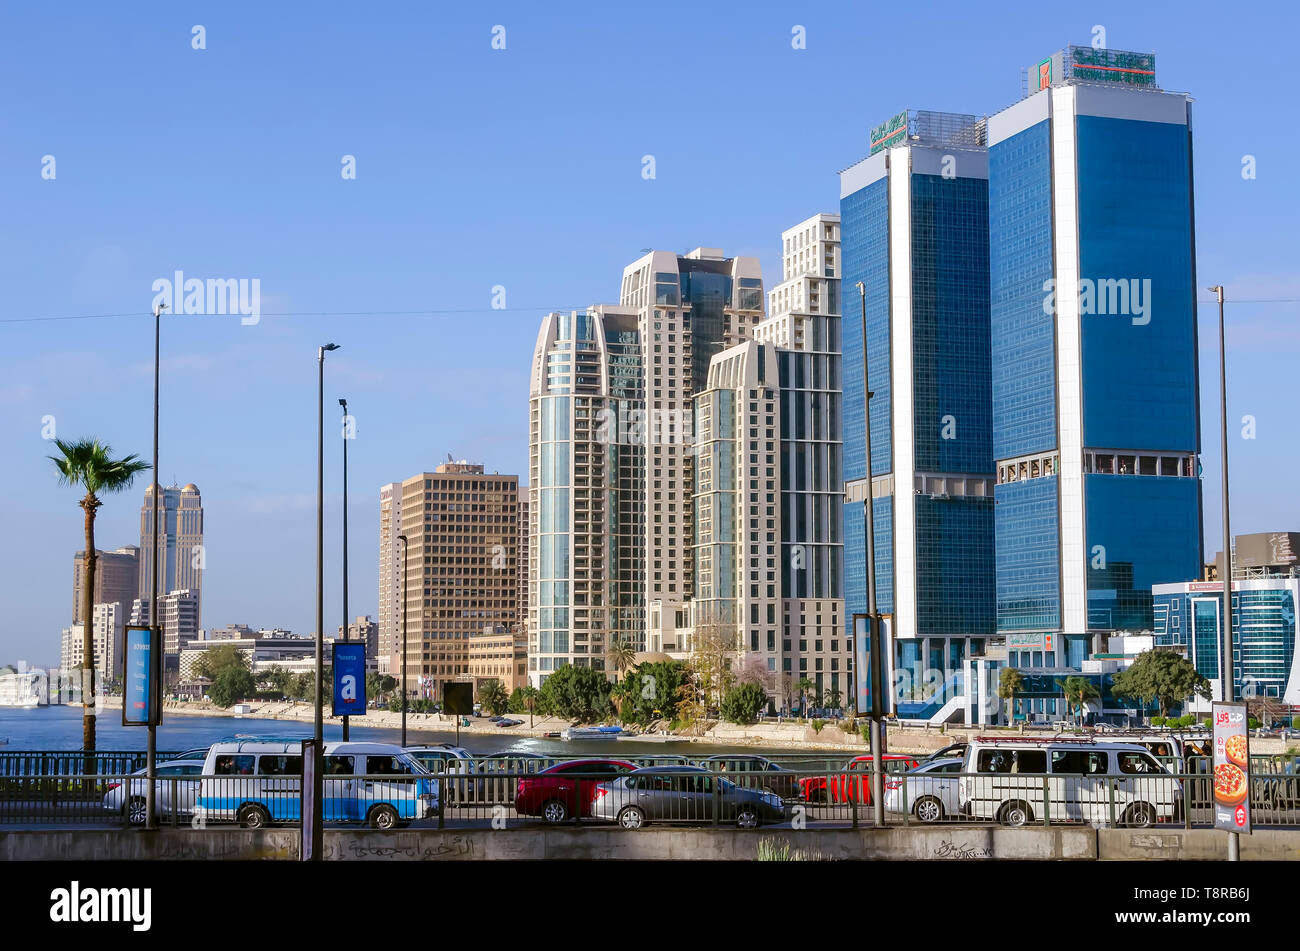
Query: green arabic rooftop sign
x=888, y=133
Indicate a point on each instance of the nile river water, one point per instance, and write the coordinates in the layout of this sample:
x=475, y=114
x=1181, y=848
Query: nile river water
x=59, y=728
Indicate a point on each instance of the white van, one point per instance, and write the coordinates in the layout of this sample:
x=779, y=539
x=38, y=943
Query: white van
x=258, y=781
x=1017, y=782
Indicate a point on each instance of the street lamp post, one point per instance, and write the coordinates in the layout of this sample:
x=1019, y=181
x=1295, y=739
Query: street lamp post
x=1229, y=692
x=873, y=618
x=344, y=404
x=320, y=543
x=151, y=731
x=402, y=688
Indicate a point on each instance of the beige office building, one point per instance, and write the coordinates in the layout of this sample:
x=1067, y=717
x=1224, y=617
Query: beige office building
x=461, y=569
x=117, y=578
x=498, y=654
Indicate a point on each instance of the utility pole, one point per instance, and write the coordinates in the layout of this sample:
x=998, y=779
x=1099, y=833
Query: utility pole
x=873, y=617
x=344, y=404
x=1229, y=677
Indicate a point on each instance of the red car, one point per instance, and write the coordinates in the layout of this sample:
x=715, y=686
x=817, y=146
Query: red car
x=557, y=793
x=854, y=784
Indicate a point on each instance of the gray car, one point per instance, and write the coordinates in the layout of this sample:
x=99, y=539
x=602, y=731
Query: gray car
x=682, y=794
x=931, y=791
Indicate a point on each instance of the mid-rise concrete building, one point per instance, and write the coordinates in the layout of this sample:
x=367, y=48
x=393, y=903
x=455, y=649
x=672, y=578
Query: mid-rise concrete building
x=364, y=629
x=178, y=612
x=499, y=654
x=107, y=632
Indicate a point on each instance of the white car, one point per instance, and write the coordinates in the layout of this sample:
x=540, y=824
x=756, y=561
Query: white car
x=930, y=789
x=179, y=777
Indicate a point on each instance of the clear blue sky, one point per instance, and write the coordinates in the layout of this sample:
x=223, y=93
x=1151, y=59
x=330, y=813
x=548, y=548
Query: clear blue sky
x=476, y=168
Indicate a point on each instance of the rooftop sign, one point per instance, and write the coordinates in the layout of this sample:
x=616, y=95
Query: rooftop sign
x=890, y=132
x=1086, y=64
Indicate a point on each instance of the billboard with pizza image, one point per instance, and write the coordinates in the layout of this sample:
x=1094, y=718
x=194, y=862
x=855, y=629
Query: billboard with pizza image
x=1231, y=767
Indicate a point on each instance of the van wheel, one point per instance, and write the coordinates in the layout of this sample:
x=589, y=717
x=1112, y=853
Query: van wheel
x=928, y=809
x=746, y=818
x=555, y=811
x=253, y=817
x=1140, y=815
x=1017, y=814
x=383, y=817
x=135, y=811
x=631, y=818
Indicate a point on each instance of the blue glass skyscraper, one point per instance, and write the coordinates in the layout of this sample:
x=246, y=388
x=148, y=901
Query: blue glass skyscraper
x=1094, y=361
x=914, y=217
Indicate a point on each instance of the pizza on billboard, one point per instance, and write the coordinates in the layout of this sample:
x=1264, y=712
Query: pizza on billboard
x=1234, y=747
x=1230, y=785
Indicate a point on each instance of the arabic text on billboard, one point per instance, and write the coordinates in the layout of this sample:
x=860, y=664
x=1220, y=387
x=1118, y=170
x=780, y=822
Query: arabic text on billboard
x=889, y=133
x=1113, y=66
x=1231, y=767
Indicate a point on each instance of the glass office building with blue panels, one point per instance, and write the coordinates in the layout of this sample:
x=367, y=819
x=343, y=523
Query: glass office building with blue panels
x=915, y=234
x=1093, y=331
x=1189, y=618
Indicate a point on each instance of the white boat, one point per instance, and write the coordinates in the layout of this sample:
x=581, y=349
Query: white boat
x=593, y=733
x=20, y=689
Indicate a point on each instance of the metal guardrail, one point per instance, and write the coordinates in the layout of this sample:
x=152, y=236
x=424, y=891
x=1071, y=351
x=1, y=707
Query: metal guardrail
x=508, y=798
x=72, y=762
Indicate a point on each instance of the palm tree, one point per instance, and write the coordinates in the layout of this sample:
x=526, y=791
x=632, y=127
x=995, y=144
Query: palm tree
x=1010, y=683
x=621, y=656
x=803, y=687
x=1078, y=691
x=88, y=464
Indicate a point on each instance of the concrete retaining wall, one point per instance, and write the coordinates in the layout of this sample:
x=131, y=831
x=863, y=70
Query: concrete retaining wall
x=1196, y=845
x=954, y=843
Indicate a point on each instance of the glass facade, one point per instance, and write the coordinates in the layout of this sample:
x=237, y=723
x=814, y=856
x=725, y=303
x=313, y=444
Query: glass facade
x=951, y=369
x=1028, y=556
x=1135, y=235
x=864, y=251
x=1264, y=632
x=1020, y=261
x=955, y=567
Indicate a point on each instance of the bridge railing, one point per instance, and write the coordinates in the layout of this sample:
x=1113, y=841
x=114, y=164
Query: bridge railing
x=508, y=798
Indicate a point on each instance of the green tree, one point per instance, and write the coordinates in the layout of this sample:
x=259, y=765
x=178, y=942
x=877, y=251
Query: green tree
x=803, y=688
x=216, y=659
x=88, y=464
x=576, y=693
x=1162, y=677
x=742, y=703
x=650, y=691
x=1010, y=683
x=621, y=655
x=278, y=679
x=230, y=685
x=524, y=700
x=378, y=685
x=1078, y=691
x=494, y=698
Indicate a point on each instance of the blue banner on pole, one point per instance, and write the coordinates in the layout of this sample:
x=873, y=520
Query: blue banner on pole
x=350, y=679
x=139, y=691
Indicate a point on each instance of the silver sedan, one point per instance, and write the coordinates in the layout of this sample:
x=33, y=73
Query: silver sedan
x=931, y=791
x=178, y=777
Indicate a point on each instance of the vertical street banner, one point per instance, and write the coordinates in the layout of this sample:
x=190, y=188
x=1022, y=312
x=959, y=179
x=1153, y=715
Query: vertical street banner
x=311, y=792
x=349, y=679
x=1231, y=767
x=139, y=676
